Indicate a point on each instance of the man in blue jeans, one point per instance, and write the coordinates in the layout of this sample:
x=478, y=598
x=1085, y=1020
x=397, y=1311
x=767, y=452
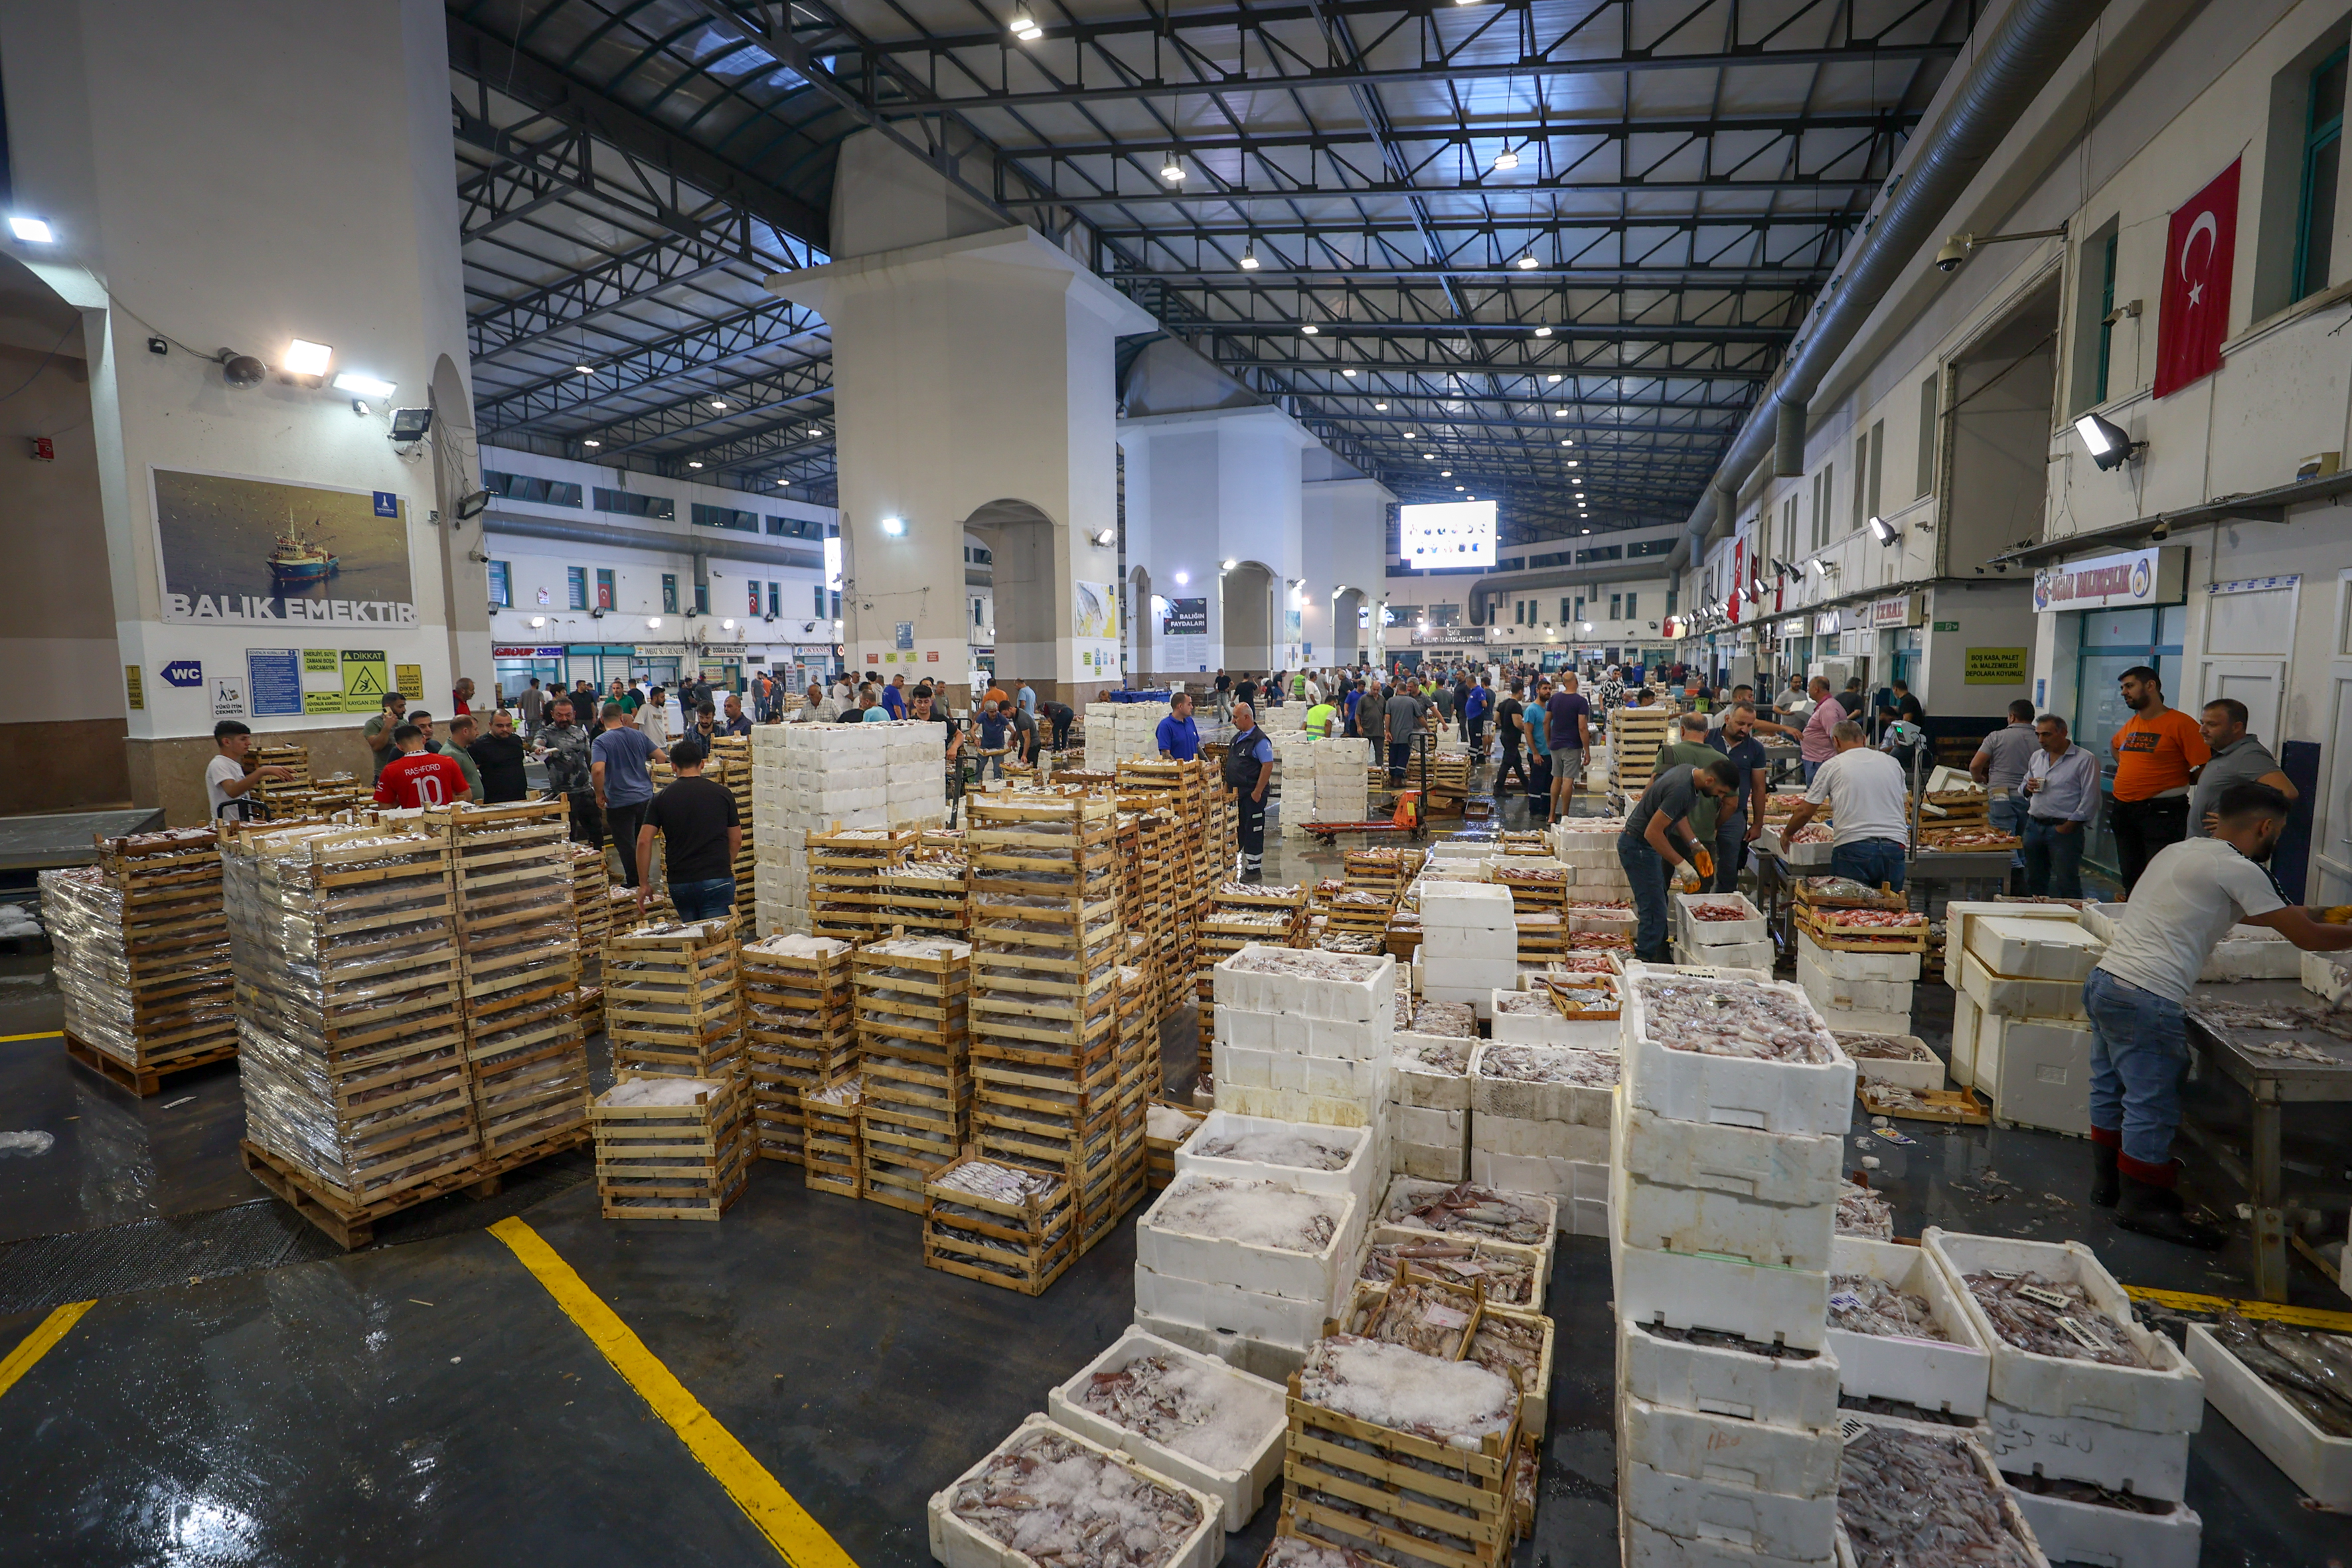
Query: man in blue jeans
x=2061, y=791
x=1656, y=839
x=696, y=818
x=1870, y=806
x=2186, y=900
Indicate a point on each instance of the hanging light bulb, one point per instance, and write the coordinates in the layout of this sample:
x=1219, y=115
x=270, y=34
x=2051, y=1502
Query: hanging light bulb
x=1173, y=171
x=1309, y=330
x=1025, y=25
x=1527, y=259
x=1249, y=256
x=1506, y=159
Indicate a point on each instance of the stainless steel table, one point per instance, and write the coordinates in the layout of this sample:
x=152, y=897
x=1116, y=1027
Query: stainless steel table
x=43, y=842
x=2272, y=1086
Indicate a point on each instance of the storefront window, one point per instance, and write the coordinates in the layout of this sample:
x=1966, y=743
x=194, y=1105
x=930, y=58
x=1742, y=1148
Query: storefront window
x=2114, y=641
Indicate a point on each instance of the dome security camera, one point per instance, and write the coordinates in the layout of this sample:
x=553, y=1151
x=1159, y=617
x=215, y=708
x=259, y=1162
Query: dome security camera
x=1955, y=251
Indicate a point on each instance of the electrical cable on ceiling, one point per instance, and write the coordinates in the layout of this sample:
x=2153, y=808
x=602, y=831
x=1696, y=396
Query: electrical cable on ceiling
x=44, y=360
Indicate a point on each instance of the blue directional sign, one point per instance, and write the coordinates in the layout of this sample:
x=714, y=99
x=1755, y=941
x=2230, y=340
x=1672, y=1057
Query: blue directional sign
x=183, y=672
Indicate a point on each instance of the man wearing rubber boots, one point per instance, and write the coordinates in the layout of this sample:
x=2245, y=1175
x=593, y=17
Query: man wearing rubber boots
x=1249, y=770
x=2186, y=901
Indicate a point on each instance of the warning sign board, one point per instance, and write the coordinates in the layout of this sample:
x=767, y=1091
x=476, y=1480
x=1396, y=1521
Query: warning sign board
x=366, y=675
x=410, y=679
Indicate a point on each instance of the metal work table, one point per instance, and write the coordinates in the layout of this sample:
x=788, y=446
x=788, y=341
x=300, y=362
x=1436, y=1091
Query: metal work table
x=2270, y=1085
x=45, y=842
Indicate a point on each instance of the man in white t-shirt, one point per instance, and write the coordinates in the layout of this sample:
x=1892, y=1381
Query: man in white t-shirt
x=226, y=780
x=1870, y=807
x=2191, y=895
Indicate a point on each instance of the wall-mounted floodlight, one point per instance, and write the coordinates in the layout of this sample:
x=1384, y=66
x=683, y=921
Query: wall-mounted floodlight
x=1956, y=249
x=894, y=526
x=2110, y=444
x=1883, y=531
x=409, y=425
x=303, y=357
x=1105, y=537
x=32, y=230
x=1025, y=25
x=360, y=386
x=1228, y=563
x=473, y=505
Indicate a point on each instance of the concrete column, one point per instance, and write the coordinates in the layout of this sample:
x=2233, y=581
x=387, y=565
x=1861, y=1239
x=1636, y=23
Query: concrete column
x=191, y=214
x=972, y=372
x=1216, y=486
x=1344, y=535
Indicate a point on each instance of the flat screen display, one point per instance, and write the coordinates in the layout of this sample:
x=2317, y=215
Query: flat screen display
x=1451, y=533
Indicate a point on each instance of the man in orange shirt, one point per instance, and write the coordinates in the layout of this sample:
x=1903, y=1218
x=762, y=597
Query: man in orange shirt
x=2157, y=755
x=419, y=777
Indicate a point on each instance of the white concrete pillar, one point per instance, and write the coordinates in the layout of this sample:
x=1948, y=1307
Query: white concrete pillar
x=973, y=388
x=1344, y=533
x=1206, y=487
x=241, y=176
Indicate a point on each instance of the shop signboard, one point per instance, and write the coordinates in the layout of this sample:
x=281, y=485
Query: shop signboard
x=1825, y=625
x=1902, y=610
x=526, y=651
x=1994, y=667
x=1449, y=637
x=2129, y=580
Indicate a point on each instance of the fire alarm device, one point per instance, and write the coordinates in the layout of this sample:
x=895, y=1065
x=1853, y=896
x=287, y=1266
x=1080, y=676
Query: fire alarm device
x=44, y=449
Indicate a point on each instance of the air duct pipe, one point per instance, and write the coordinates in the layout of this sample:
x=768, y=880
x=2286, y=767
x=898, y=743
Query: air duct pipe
x=2034, y=39
x=748, y=551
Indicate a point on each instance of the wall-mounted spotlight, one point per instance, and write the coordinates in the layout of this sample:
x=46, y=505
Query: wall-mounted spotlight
x=1883, y=531
x=409, y=425
x=1105, y=537
x=2110, y=444
x=472, y=505
x=894, y=526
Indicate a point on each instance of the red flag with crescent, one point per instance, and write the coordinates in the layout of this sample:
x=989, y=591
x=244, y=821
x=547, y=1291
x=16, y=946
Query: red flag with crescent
x=2195, y=316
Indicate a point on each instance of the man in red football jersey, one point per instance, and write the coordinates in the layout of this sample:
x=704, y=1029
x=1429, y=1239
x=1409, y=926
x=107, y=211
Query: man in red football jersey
x=419, y=777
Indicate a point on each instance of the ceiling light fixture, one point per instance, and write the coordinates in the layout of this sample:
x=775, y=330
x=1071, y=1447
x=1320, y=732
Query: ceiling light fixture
x=1249, y=256
x=1309, y=330
x=693, y=462
x=1528, y=264
x=1025, y=25
x=592, y=444
x=1408, y=434
x=1350, y=374
x=1445, y=473
x=1543, y=331
x=584, y=369
x=1380, y=408
x=1506, y=159
x=1173, y=171
x=718, y=403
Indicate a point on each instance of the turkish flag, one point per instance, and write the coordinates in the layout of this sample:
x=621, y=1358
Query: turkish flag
x=1739, y=575
x=2194, y=315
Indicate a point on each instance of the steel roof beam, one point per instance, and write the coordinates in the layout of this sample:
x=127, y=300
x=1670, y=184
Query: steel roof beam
x=1518, y=132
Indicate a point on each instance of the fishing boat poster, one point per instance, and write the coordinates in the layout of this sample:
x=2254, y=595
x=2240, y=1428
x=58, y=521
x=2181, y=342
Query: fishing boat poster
x=233, y=551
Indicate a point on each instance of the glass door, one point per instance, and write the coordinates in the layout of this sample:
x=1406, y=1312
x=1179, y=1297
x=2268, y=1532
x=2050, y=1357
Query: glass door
x=2114, y=641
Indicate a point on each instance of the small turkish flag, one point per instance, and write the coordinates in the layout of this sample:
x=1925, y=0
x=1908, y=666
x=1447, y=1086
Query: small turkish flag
x=2195, y=316
x=1739, y=575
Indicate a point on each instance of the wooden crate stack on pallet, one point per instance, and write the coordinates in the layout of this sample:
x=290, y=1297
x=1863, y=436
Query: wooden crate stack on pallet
x=730, y=765
x=674, y=1005
x=1199, y=844
x=833, y=1152
x=666, y=1147
x=800, y=1030
x=518, y=956
x=1634, y=736
x=845, y=869
x=1000, y=1223
x=142, y=949
x=1382, y=870
x=351, y=1033
x=1046, y=951
x=924, y=895
x=914, y=1047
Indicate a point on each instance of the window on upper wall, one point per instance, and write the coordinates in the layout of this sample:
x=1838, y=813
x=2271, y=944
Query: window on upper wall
x=670, y=594
x=1564, y=616
x=755, y=598
x=1616, y=606
x=607, y=596
x=1930, y=402
x=775, y=599
x=501, y=584
x=2301, y=204
x=1633, y=611
x=2323, y=139
x=2095, y=335
x=635, y=503
x=702, y=597
x=820, y=599
x=529, y=486
x=725, y=517
x=575, y=578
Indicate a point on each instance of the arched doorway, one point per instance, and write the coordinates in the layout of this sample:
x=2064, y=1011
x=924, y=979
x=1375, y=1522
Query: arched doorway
x=1347, y=635
x=1247, y=596
x=1025, y=547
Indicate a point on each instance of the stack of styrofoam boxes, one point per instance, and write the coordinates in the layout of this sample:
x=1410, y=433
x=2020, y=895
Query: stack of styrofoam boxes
x=813, y=778
x=1469, y=943
x=1293, y=776
x=1724, y=1177
x=1590, y=846
x=1304, y=1035
x=2126, y=1428
x=1252, y=1304
x=1122, y=730
x=1743, y=943
x=1429, y=1106
x=1943, y=1371
x=917, y=782
x=2032, y=1054
x=1869, y=992
x=1546, y=1134
x=1342, y=788
x=1966, y=1021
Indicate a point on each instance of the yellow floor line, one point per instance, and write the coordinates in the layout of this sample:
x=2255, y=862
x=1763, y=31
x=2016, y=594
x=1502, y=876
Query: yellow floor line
x=45, y=1035
x=2299, y=1316
x=36, y=1345
x=788, y=1527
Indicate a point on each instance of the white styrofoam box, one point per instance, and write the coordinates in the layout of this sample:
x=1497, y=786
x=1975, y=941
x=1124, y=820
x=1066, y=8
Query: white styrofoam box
x=1301, y=1276
x=1240, y=1490
x=1961, y=915
x=1582, y=1103
x=1521, y=1023
x=2108, y=1537
x=1338, y=1041
x=1414, y=1083
x=1446, y=1162
x=1366, y=1000
x=2325, y=976
x=1479, y=999
x=2075, y=1449
x=1447, y=947
x=1589, y=1216
x=1842, y=964
x=2167, y=1395
x=1604, y=922
x=1357, y=1178
x=1269, y=1359
x=1489, y=971
x=1862, y=1021
x=1720, y=933
x=1434, y=1129
x=1551, y=1140
x=1793, y=1169
x=1829, y=989
x=1756, y=955
x=1468, y=906
x=1797, y=1529
x=1405, y=1191
x=2239, y=957
x=1793, y=1461
x=1786, y=1389
x=1950, y=1375
x=957, y=1544
x=1237, y=1065
x=1296, y=1105
x=1552, y=1176
x=1968, y=1027
x=1645, y=1547
x=2036, y=1072
x=1695, y=1220
x=2316, y=1461
x=1733, y=1092
x=1243, y=1027
x=1921, y=1068
x=2033, y=948
x=2015, y=998
x=1777, y=840
x=1754, y=1300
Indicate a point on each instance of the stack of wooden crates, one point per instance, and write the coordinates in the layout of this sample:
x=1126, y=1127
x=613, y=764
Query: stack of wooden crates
x=802, y=1031
x=914, y=1050
x=674, y=1006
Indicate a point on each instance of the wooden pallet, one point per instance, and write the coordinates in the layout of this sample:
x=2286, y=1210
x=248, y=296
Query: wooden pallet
x=148, y=1081
x=353, y=1226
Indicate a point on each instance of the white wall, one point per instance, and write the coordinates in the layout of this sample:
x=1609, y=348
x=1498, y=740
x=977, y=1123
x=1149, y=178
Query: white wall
x=1343, y=537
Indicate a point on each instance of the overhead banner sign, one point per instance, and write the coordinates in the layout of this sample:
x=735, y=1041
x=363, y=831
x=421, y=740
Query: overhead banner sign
x=1449, y=637
x=242, y=551
x=2157, y=575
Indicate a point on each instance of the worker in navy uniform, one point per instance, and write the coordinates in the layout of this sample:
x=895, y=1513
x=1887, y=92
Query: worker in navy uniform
x=1249, y=770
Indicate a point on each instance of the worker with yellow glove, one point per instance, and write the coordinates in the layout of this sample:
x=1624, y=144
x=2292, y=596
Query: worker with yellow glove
x=1657, y=837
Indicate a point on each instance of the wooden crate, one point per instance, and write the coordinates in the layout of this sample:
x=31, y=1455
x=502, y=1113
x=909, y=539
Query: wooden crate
x=1160, y=1164
x=592, y=897
x=845, y=878
x=926, y=895
x=801, y=1032
x=834, y=1150
x=1821, y=924
x=673, y=999
x=911, y=996
x=677, y=1160
x=1331, y=1455
x=1021, y=1245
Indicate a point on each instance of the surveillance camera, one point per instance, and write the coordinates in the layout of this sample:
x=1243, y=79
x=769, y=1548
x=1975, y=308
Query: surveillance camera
x=2162, y=531
x=1955, y=251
